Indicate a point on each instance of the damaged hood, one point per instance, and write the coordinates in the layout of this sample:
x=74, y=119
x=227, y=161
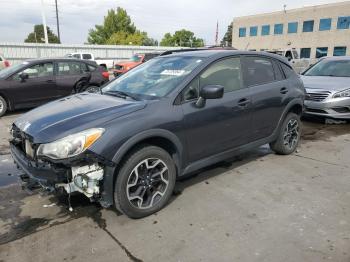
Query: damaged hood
x=74, y=114
x=326, y=83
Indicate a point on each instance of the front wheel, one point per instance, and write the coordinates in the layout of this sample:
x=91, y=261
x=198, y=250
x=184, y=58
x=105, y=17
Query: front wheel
x=289, y=136
x=145, y=182
x=3, y=106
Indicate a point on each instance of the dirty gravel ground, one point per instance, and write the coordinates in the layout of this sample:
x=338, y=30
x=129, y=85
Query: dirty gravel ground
x=260, y=207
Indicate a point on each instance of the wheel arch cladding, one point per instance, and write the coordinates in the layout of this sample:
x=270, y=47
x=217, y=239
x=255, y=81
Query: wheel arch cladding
x=296, y=108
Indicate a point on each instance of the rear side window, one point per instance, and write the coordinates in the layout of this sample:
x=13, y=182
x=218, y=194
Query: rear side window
x=258, y=71
x=76, y=56
x=278, y=71
x=288, y=72
x=226, y=73
x=87, y=56
x=69, y=68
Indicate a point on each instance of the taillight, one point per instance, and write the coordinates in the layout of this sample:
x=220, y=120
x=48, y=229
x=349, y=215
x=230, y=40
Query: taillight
x=7, y=63
x=105, y=75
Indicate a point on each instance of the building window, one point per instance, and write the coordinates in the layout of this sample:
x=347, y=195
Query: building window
x=308, y=26
x=293, y=28
x=339, y=51
x=242, y=32
x=278, y=29
x=305, y=52
x=321, y=52
x=343, y=22
x=265, y=30
x=325, y=24
x=253, y=31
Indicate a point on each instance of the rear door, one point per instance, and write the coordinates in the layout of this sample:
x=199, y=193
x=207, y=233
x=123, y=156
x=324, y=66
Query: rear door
x=39, y=88
x=222, y=124
x=268, y=91
x=69, y=74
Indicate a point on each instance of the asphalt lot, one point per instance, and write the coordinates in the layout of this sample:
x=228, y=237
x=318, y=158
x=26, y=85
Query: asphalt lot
x=261, y=207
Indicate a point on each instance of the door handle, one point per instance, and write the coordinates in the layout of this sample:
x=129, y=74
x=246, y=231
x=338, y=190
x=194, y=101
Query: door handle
x=243, y=102
x=284, y=90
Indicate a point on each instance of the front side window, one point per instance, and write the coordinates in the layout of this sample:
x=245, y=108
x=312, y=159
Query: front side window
x=265, y=30
x=76, y=56
x=136, y=58
x=278, y=29
x=292, y=28
x=87, y=56
x=339, y=51
x=156, y=78
x=226, y=73
x=253, y=31
x=325, y=24
x=321, y=52
x=258, y=71
x=242, y=32
x=37, y=71
x=308, y=26
x=343, y=22
x=340, y=68
x=305, y=52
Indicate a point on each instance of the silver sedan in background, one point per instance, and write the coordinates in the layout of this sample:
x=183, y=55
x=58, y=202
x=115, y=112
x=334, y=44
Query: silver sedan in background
x=327, y=85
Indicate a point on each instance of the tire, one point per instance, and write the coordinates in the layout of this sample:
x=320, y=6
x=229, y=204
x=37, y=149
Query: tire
x=92, y=89
x=3, y=106
x=79, y=87
x=141, y=195
x=289, y=135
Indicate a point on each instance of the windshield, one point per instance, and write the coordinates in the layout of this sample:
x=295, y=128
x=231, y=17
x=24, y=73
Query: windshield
x=10, y=70
x=155, y=78
x=337, y=68
x=136, y=58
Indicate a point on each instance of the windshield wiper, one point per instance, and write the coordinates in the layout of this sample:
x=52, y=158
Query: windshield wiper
x=120, y=94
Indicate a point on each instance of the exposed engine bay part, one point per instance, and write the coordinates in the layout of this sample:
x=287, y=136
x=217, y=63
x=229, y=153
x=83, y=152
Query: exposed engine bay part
x=85, y=179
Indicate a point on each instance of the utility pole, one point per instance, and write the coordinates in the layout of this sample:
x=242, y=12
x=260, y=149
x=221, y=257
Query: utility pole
x=44, y=21
x=58, y=23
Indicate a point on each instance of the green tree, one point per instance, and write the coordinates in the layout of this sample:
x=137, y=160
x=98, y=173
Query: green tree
x=137, y=38
x=114, y=22
x=183, y=38
x=38, y=36
x=227, y=39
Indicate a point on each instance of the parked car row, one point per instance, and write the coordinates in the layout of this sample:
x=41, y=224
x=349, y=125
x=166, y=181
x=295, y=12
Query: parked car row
x=35, y=82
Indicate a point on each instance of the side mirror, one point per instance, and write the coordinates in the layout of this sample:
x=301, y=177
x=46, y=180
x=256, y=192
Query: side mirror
x=23, y=76
x=209, y=92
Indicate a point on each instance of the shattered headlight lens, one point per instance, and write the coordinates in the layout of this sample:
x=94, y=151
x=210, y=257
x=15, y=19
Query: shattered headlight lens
x=71, y=145
x=344, y=93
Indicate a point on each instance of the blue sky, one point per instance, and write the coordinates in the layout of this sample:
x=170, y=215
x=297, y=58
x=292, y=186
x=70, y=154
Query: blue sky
x=153, y=16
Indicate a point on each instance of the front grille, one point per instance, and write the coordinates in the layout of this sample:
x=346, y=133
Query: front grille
x=22, y=141
x=317, y=96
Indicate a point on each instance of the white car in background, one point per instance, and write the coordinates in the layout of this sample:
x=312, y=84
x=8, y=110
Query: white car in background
x=106, y=63
x=3, y=62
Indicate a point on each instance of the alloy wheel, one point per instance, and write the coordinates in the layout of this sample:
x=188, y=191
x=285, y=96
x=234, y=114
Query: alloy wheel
x=291, y=134
x=147, y=183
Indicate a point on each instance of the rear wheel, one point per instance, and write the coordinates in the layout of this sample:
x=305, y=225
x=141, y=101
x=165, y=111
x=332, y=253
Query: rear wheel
x=289, y=136
x=92, y=89
x=145, y=182
x=3, y=106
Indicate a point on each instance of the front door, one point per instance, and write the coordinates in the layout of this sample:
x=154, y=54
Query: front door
x=222, y=124
x=38, y=88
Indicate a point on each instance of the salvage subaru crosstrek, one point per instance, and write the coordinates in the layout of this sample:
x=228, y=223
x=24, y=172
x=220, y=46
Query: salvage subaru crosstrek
x=169, y=117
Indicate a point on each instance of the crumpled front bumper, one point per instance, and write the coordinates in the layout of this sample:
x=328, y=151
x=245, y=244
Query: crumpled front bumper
x=338, y=108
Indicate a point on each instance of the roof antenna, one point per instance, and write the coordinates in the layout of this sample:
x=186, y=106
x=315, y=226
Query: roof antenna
x=284, y=8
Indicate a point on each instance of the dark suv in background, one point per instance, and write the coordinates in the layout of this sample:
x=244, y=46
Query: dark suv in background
x=35, y=82
x=169, y=117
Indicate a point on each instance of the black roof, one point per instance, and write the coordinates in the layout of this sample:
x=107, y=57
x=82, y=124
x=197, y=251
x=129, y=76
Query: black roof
x=58, y=59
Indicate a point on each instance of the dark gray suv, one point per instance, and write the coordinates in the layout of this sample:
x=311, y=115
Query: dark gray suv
x=169, y=117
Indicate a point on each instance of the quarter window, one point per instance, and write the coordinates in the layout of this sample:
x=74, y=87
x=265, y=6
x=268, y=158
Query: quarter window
x=321, y=52
x=258, y=71
x=305, y=52
x=325, y=24
x=288, y=72
x=339, y=51
x=37, y=71
x=278, y=30
x=308, y=26
x=242, y=32
x=343, y=22
x=253, y=31
x=265, y=30
x=69, y=68
x=226, y=73
x=292, y=28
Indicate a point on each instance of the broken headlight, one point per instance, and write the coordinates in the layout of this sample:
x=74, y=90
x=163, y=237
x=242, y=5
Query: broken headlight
x=71, y=145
